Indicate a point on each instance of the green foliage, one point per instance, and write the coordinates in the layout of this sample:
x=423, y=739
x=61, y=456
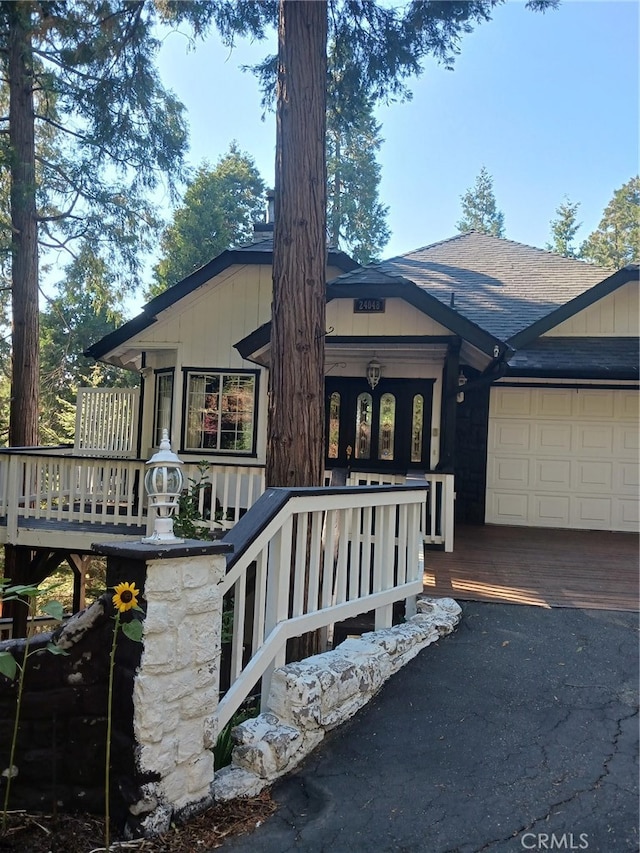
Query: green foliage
x=356, y=219
x=564, y=229
x=226, y=634
x=83, y=310
x=224, y=742
x=82, y=81
x=376, y=47
x=189, y=523
x=106, y=129
x=616, y=241
x=218, y=210
x=479, y=208
x=133, y=630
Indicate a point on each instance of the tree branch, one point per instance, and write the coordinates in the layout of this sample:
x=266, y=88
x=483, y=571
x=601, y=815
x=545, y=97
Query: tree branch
x=64, y=215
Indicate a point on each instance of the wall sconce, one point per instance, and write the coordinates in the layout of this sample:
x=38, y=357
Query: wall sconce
x=462, y=381
x=374, y=372
x=163, y=482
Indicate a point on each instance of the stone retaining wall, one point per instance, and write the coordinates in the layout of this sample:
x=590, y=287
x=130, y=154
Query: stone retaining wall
x=310, y=698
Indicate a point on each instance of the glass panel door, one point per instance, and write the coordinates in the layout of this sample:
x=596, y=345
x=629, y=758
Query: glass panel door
x=386, y=428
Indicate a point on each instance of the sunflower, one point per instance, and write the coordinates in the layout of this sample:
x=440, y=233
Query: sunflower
x=125, y=596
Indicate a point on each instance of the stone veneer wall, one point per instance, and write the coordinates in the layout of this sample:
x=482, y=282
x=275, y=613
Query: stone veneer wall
x=176, y=689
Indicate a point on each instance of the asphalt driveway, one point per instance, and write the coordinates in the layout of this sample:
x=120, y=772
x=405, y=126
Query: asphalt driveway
x=518, y=732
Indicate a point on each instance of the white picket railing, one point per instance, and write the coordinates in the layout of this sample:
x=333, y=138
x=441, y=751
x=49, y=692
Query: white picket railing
x=42, y=486
x=51, y=484
x=107, y=422
x=437, y=521
x=225, y=492
x=307, y=558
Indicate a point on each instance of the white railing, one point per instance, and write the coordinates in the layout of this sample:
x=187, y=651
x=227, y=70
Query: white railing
x=51, y=484
x=438, y=510
x=107, y=422
x=225, y=492
x=305, y=559
x=35, y=625
x=70, y=489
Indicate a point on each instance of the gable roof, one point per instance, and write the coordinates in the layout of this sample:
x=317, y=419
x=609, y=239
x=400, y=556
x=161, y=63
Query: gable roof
x=258, y=252
x=499, y=285
x=381, y=285
x=569, y=309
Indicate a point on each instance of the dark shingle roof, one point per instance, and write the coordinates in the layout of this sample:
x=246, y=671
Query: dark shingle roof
x=499, y=285
x=584, y=358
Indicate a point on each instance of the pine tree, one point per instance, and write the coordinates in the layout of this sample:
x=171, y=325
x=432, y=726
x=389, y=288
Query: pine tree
x=357, y=220
x=616, y=241
x=90, y=130
x=83, y=309
x=564, y=229
x=479, y=209
x=217, y=212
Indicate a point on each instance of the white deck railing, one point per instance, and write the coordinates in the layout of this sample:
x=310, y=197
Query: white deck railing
x=107, y=422
x=51, y=487
x=55, y=484
x=305, y=559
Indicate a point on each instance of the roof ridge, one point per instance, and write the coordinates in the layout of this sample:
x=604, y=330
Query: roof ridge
x=428, y=246
x=518, y=243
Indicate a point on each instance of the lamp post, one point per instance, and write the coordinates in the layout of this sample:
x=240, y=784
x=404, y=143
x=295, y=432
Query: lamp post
x=163, y=482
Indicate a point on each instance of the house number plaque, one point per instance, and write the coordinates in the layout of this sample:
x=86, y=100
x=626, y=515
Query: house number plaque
x=368, y=306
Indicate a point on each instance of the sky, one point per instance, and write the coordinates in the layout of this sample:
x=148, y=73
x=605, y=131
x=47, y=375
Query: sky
x=548, y=103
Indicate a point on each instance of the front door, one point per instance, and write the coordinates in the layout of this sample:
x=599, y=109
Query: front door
x=386, y=428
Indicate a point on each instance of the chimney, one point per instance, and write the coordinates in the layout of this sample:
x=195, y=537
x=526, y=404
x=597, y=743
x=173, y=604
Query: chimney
x=263, y=230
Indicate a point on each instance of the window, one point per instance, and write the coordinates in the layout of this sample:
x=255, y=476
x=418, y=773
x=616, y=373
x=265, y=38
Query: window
x=387, y=427
x=417, y=426
x=334, y=425
x=364, y=408
x=220, y=412
x=164, y=404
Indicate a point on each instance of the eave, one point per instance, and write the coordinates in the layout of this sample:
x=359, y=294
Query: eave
x=198, y=278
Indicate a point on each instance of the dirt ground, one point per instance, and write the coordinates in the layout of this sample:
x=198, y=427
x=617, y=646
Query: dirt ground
x=31, y=833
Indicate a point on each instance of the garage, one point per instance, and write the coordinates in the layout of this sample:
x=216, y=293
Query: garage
x=563, y=457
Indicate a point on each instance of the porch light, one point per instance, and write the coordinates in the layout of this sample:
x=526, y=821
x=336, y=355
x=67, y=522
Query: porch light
x=373, y=373
x=163, y=482
x=462, y=381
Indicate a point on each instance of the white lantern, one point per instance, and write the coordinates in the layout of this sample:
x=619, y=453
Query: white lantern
x=163, y=483
x=374, y=371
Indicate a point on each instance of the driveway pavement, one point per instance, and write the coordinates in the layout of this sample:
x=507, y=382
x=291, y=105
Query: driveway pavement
x=518, y=732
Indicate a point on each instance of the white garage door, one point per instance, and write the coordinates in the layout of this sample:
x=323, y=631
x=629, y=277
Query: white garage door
x=563, y=458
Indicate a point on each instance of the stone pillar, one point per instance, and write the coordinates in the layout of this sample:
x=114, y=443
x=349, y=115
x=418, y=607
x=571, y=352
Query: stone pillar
x=176, y=687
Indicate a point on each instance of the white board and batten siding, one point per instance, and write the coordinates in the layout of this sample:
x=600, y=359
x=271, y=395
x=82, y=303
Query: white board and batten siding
x=563, y=458
x=617, y=314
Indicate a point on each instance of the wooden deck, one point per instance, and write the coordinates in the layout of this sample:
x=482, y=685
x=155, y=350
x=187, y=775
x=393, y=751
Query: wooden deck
x=544, y=567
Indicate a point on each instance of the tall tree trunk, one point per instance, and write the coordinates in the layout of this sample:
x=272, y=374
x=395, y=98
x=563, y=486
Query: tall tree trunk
x=295, y=440
x=23, y=417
